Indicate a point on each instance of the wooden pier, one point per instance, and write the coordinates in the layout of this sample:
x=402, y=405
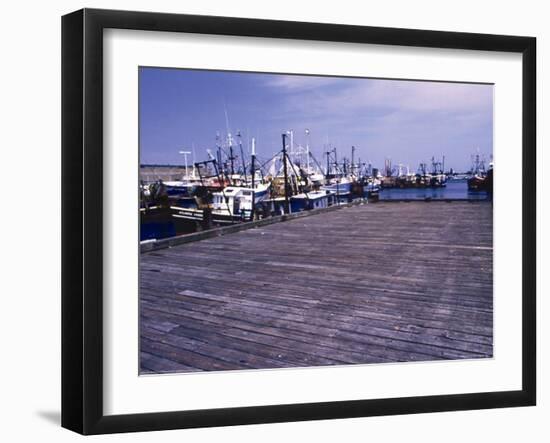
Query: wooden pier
x=373, y=283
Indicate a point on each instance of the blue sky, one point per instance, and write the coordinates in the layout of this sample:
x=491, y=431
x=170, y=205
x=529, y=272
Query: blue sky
x=407, y=121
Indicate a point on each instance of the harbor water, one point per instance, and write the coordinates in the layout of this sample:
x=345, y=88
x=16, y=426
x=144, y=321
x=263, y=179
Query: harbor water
x=455, y=190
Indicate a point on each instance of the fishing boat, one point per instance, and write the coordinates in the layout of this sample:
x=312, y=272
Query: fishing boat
x=236, y=203
x=480, y=180
x=476, y=183
x=371, y=190
x=230, y=205
x=308, y=201
x=341, y=187
x=341, y=178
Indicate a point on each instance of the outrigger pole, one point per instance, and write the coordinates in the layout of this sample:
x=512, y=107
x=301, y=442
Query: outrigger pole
x=315, y=160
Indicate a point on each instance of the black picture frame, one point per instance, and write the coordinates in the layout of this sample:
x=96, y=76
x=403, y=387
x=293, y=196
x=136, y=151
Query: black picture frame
x=82, y=215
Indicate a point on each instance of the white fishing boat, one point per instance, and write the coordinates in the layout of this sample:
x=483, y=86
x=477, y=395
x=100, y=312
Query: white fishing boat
x=341, y=187
x=236, y=203
x=308, y=201
x=232, y=204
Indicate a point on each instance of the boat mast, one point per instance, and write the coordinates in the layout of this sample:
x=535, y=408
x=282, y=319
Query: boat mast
x=253, y=174
x=337, y=176
x=307, y=150
x=352, y=160
x=285, y=172
x=231, y=158
x=253, y=162
x=242, y=154
x=219, y=150
x=194, y=160
x=230, y=142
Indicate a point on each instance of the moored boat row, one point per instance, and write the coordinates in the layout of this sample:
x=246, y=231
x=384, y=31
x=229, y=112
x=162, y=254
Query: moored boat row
x=228, y=188
x=219, y=192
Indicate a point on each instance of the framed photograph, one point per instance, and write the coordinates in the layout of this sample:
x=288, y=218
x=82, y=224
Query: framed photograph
x=269, y=221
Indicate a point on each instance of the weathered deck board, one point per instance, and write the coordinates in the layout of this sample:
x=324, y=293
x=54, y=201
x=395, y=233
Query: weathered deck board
x=366, y=284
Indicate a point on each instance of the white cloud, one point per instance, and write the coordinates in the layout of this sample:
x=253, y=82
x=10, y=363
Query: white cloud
x=299, y=83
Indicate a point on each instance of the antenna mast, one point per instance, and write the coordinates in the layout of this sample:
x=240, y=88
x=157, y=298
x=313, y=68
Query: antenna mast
x=185, y=154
